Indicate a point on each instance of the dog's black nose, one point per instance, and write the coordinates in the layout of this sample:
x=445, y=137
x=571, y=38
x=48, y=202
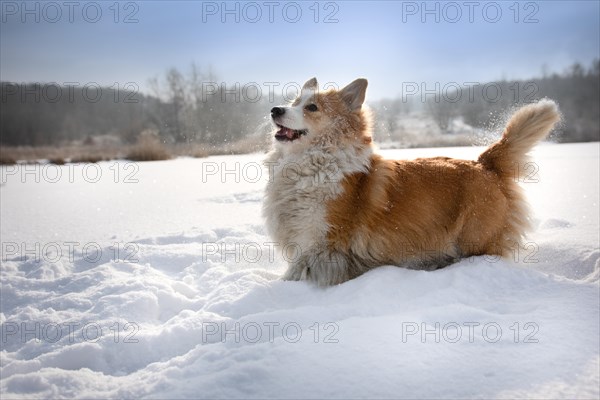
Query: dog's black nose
x=277, y=111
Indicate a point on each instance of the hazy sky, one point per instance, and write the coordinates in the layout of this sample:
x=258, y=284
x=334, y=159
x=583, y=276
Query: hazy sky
x=390, y=43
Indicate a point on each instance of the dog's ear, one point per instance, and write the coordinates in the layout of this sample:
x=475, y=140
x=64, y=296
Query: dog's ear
x=310, y=84
x=354, y=93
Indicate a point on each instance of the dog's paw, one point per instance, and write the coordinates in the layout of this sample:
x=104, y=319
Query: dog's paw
x=294, y=273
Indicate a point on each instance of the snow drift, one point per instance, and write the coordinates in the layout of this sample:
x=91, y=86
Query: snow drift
x=158, y=280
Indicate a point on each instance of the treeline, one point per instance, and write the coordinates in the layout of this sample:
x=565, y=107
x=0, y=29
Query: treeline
x=183, y=109
x=484, y=105
x=38, y=114
x=196, y=108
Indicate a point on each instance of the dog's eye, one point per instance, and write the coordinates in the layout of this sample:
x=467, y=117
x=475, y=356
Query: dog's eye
x=311, y=107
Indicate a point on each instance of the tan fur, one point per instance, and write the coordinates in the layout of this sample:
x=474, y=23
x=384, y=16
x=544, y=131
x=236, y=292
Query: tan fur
x=424, y=213
x=335, y=124
x=419, y=213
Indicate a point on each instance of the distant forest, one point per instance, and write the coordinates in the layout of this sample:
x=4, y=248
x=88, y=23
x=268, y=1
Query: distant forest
x=197, y=108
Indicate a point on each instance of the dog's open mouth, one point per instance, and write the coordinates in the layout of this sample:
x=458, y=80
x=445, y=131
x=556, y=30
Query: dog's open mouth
x=285, y=134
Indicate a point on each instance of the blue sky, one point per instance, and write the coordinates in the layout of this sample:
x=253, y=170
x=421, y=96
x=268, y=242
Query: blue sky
x=390, y=43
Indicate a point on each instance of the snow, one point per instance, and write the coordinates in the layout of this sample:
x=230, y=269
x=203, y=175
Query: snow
x=158, y=280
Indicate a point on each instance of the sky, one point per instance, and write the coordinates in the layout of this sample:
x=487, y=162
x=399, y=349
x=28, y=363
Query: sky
x=275, y=44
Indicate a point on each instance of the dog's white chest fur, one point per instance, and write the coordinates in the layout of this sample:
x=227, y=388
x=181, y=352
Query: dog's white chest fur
x=300, y=185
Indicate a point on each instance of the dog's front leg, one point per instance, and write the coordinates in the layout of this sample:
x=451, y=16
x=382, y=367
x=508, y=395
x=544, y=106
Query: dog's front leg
x=321, y=266
x=296, y=271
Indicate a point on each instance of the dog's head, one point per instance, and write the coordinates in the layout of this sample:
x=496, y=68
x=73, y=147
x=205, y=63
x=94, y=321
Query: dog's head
x=334, y=117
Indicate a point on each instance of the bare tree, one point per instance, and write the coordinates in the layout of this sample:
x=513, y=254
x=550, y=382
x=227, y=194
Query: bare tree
x=177, y=98
x=443, y=112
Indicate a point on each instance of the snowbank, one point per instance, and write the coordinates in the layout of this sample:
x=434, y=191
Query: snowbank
x=158, y=280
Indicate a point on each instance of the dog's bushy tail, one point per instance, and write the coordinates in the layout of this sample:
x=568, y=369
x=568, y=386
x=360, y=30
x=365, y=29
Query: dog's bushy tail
x=527, y=126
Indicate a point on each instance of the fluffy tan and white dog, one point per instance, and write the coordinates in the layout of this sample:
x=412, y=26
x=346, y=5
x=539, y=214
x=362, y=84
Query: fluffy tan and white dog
x=338, y=210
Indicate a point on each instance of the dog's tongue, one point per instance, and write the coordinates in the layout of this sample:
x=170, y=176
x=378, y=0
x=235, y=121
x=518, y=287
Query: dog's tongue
x=287, y=132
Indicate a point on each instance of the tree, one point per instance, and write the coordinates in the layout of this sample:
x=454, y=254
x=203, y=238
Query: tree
x=443, y=112
x=177, y=98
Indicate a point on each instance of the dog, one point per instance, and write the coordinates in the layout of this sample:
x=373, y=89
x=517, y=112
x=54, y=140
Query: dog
x=337, y=209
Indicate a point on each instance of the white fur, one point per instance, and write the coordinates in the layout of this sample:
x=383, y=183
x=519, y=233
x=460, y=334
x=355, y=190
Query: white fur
x=294, y=116
x=300, y=184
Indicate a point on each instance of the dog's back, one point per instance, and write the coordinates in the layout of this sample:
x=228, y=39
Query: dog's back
x=420, y=214
x=429, y=212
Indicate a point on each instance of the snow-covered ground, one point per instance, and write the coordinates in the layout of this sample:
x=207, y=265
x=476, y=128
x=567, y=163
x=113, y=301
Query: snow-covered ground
x=158, y=280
